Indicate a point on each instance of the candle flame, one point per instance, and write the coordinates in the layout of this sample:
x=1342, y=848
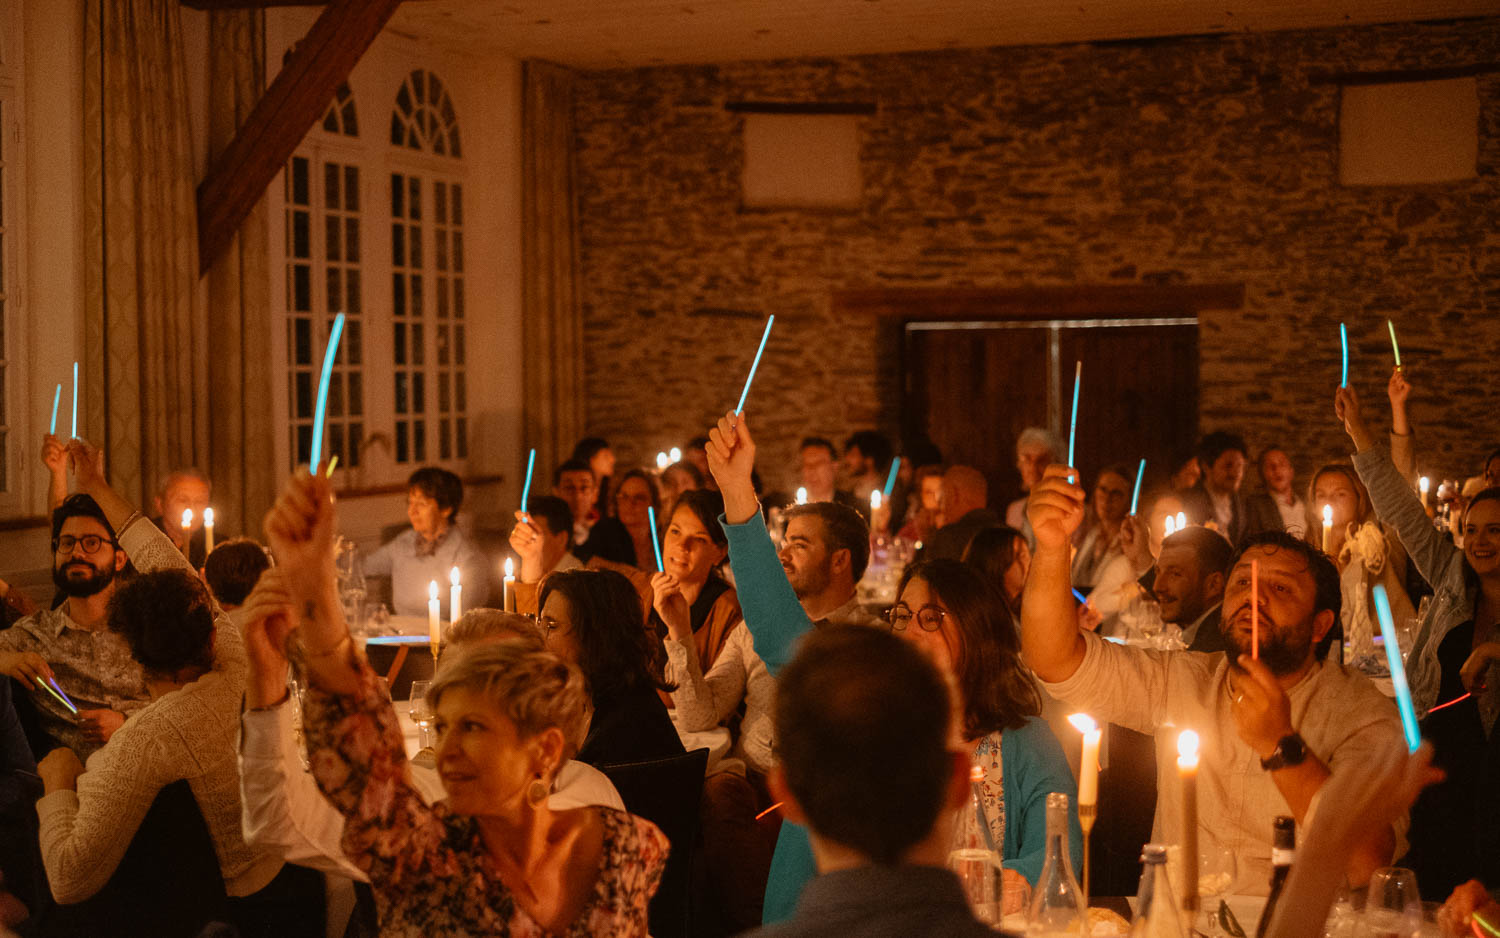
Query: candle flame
x=1181, y=520
x=675, y=454
x=208, y=517
x=661, y=461
x=510, y=567
x=1187, y=744
x=1083, y=723
x=976, y=773
x=875, y=500
x=1169, y=527
x=187, y=517
x=1328, y=514
x=432, y=590
x=1425, y=483
x=801, y=496
x=453, y=576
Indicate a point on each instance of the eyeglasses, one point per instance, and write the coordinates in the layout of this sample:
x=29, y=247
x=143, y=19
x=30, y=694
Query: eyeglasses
x=547, y=624
x=91, y=542
x=929, y=617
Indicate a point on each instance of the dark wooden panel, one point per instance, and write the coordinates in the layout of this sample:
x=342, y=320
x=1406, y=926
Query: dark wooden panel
x=1081, y=302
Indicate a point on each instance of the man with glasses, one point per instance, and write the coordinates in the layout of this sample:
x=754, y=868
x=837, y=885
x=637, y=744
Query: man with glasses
x=69, y=651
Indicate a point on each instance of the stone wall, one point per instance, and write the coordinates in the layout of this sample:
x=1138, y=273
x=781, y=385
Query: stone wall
x=1198, y=160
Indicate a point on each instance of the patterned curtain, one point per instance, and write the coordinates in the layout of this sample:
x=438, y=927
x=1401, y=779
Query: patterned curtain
x=552, y=323
x=241, y=440
x=145, y=338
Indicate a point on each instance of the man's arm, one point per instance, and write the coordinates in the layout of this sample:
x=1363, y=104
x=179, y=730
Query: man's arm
x=773, y=614
x=1050, y=641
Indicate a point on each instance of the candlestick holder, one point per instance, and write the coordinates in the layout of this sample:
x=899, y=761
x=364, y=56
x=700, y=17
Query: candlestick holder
x=1087, y=813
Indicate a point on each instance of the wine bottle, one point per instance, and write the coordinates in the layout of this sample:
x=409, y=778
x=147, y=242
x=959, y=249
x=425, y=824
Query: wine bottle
x=1057, y=906
x=1155, y=903
x=1283, y=851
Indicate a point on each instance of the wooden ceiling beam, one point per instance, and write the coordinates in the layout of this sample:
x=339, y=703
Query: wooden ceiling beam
x=300, y=94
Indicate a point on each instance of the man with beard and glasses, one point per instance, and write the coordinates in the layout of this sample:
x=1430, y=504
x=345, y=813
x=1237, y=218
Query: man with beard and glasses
x=1272, y=728
x=72, y=644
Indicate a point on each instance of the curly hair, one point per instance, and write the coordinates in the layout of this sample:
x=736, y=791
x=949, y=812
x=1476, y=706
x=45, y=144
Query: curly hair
x=167, y=619
x=998, y=692
x=615, y=651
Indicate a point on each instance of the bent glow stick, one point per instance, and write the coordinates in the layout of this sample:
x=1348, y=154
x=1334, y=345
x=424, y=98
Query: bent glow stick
x=1445, y=706
x=56, y=399
x=322, y=406
x=526, y=489
x=1135, y=497
x=890, y=480
x=1398, y=670
x=755, y=364
x=1394, y=347
x=1073, y=424
x=1344, y=344
x=655, y=541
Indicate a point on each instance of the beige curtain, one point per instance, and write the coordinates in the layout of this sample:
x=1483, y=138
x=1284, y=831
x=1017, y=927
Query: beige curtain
x=241, y=440
x=145, y=340
x=552, y=323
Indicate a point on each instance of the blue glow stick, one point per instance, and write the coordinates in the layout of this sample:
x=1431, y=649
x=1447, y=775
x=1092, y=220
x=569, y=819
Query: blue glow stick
x=1344, y=343
x=328, y=356
x=1398, y=670
x=398, y=640
x=63, y=695
x=755, y=364
x=56, y=399
x=1080, y=597
x=1135, y=497
x=75, y=402
x=1073, y=424
x=655, y=541
x=890, y=480
x=56, y=691
x=526, y=489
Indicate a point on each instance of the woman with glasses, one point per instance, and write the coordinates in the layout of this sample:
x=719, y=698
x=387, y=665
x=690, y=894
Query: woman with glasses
x=592, y=619
x=962, y=623
x=626, y=537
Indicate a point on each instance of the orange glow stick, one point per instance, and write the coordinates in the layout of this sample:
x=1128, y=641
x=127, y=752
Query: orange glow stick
x=1254, y=609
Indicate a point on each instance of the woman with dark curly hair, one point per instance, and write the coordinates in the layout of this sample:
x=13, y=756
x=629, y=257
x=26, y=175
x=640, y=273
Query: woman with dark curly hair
x=592, y=619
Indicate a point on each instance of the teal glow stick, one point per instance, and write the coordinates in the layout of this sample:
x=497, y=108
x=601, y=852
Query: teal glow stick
x=1135, y=497
x=890, y=480
x=1344, y=342
x=755, y=364
x=1398, y=670
x=322, y=406
x=75, y=402
x=526, y=489
x=655, y=541
x=56, y=399
x=1073, y=424
x=1394, y=347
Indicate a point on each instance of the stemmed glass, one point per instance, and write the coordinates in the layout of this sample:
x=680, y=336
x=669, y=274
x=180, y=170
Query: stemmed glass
x=1393, y=907
x=421, y=714
x=1216, y=874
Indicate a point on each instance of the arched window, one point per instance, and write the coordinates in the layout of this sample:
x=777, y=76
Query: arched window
x=341, y=117
x=427, y=277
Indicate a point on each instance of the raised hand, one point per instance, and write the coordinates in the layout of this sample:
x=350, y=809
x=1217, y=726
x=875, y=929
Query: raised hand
x=1055, y=508
x=266, y=620
x=1346, y=406
x=300, y=529
x=1398, y=390
x=526, y=541
x=54, y=454
x=1135, y=543
x=88, y=467
x=731, y=459
x=1262, y=710
x=671, y=605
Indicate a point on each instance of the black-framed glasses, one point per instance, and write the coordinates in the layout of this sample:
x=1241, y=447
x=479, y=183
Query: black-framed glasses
x=929, y=618
x=65, y=543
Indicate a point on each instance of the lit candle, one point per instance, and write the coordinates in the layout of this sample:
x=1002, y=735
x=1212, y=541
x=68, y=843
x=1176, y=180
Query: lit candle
x=510, y=585
x=1169, y=527
x=187, y=530
x=875, y=500
x=1327, y=528
x=208, y=531
x=1425, y=484
x=676, y=454
x=1181, y=520
x=434, y=624
x=1088, y=768
x=801, y=496
x=662, y=462
x=455, y=596
x=1187, y=774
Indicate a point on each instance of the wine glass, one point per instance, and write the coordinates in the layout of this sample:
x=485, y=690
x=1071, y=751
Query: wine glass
x=1217, y=870
x=1393, y=907
x=421, y=713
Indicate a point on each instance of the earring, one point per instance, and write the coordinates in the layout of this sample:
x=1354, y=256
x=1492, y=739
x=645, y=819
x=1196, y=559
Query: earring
x=536, y=792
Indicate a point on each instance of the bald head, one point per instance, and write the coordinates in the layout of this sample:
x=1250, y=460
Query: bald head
x=964, y=490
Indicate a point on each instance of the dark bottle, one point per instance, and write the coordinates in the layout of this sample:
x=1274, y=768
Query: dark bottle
x=1283, y=851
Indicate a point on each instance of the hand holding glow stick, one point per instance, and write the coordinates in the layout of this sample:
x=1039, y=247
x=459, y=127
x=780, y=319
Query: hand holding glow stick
x=655, y=540
x=1073, y=423
x=1344, y=344
x=526, y=489
x=1396, y=349
x=321, y=408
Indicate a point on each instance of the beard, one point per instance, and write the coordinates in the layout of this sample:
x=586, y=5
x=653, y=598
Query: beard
x=809, y=581
x=68, y=579
x=1283, y=651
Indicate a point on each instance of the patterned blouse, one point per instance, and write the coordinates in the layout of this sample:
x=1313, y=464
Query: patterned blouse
x=428, y=866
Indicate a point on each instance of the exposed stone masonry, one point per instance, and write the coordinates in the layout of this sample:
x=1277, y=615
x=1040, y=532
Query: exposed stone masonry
x=1201, y=160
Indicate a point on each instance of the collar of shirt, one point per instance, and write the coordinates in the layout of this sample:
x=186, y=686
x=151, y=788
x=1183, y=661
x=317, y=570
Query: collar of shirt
x=850, y=613
x=1191, y=632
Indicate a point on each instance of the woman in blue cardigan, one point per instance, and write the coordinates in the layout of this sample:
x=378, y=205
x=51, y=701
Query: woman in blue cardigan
x=962, y=622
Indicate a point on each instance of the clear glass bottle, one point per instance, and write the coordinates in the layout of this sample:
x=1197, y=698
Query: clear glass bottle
x=974, y=859
x=1156, y=903
x=1057, y=905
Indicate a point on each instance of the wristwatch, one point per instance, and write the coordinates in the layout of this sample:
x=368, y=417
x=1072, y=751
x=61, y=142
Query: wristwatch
x=1290, y=750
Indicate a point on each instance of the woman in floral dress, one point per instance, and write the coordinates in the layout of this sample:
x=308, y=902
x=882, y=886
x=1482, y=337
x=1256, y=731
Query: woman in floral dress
x=493, y=858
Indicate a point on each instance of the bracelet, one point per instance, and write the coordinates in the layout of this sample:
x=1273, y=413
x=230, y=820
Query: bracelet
x=132, y=519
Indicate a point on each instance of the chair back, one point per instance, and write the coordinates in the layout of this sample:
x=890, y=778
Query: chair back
x=667, y=792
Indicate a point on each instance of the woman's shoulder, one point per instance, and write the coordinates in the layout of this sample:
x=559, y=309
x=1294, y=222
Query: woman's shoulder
x=632, y=836
x=1033, y=740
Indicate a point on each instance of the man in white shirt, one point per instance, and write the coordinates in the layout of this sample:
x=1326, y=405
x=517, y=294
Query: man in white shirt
x=1272, y=727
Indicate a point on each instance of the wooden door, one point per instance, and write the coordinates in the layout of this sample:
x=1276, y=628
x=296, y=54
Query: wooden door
x=972, y=387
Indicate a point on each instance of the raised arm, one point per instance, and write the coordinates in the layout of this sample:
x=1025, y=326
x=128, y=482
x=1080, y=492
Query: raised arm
x=773, y=614
x=1403, y=452
x=55, y=458
x=1051, y=643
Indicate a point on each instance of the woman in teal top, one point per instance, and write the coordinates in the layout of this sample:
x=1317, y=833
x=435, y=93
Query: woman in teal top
x=962, y=622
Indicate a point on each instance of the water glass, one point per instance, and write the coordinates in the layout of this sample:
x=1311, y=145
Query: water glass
x=1393, y=907
x=421, y=714
x=979, y=871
